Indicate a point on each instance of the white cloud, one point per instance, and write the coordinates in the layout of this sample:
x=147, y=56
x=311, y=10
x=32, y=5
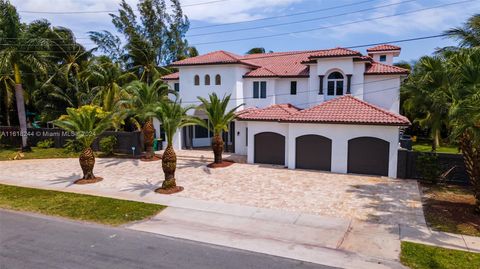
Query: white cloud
x=432, y=20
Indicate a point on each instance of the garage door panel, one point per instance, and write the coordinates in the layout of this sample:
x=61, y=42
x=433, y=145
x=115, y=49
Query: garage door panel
x=313, y=152
x=368, y=155
x=269, y=148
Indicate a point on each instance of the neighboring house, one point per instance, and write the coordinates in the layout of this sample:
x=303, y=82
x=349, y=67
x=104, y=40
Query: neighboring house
x=333, y=110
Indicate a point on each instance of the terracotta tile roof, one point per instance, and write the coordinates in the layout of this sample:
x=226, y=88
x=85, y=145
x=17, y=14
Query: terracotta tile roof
x=216, y=57
x=336, y=52
x=271, y=113
x=375, y=68
x=384, y=47
x=173, y=76
x=348, y=110
x=278, y=64
x=341, y=110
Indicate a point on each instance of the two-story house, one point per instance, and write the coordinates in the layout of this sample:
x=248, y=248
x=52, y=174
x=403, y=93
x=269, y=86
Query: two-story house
x=333, y=110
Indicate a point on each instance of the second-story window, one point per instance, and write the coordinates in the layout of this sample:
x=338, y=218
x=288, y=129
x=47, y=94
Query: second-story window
x=196, y=80
x=293, y=87
x=207, y=80
x=218, y=80
x=260, y=89
x=176, y=86
x=335, y=82
x=383, y=58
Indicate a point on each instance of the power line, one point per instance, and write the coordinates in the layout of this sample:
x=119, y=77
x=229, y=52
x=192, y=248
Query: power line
x=106, y=11
x=333, y=26
x=302, y=21
x=267, y=55
x=283, y=16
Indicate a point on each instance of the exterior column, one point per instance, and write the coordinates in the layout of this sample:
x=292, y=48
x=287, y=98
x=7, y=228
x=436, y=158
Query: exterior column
x=320, y=89
x=349, y=84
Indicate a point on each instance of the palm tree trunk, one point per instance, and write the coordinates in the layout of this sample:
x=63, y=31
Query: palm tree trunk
x=471, y=156
x=22, y=118
x=169, y=165
x=148, y=137
x=87, y=162
x=217, y=146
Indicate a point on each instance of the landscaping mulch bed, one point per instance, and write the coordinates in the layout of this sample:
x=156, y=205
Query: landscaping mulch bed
x=156, y=157
x=450, y=208
x=225, y=163
x=88, y=181
x=169, y=191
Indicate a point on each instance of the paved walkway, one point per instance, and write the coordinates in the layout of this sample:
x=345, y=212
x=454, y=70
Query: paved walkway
x=370, y=199
x=390, y=209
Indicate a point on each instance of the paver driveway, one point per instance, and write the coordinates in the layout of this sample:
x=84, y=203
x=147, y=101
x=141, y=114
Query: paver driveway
x=372, y=199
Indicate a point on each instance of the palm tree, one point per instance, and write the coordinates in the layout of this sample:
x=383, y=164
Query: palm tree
x=173, y=117
x=7, y=91
x=465, y=112
x=19, y=50
x=426, y=96
x=218, y=120
x=87, y=122
x=143, y=99
x=469, y=34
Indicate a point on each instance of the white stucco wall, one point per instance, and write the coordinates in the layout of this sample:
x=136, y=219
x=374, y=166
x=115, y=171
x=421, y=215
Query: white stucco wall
x=383, y=91
x=282, y=90
x=340, y=134
x=232, y=83
x=241, y=137
x=259, y=102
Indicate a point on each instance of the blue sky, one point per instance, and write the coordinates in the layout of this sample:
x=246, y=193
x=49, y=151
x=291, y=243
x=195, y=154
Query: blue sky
x=356, y=24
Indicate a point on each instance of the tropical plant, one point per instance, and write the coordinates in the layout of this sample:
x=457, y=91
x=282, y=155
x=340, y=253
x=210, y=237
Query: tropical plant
x=19, y=50
x=142, y=102
x=45, y=144
x=256, y=50
x=468, y=34
x=107, y=144
x=426, y=97
x=219, y=119
x=173, y=117
x=7, y=91
x=465, y=112
x=87, y=122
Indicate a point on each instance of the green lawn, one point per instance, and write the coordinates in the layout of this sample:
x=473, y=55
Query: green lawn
x=37, y=153
x=75, y=206
x=418, y=256
x=426, y=147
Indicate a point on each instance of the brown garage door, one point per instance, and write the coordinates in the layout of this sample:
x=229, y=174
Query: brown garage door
x=368, y=155
x=269, y=148
x=313, y=152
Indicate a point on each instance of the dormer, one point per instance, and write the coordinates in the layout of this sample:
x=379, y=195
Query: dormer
x=384, y=53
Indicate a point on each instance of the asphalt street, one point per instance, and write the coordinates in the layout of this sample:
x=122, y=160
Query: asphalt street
x=32, y=241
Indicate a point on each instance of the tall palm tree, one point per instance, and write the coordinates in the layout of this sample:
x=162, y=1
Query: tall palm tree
x=7, y=91
x=87, y=122
x=218, y=120
x=173, y=117
x=142, y=101
x=469, y=34
x=19, y=50
x=465, y=112
x=109, y=80
x=426, y=96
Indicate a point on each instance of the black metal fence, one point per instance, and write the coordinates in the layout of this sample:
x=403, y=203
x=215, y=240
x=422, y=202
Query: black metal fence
x=125, y=140
x=451, y=166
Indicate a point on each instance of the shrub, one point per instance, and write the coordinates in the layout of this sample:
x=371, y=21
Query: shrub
x=45, y=144
x=428, y=167
x=107, y=144
x=73, y=145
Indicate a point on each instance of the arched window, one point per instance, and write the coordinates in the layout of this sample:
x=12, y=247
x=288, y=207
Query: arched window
x=218, y=80
x=335, y=82
x=207, y=80
x=196, y=80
